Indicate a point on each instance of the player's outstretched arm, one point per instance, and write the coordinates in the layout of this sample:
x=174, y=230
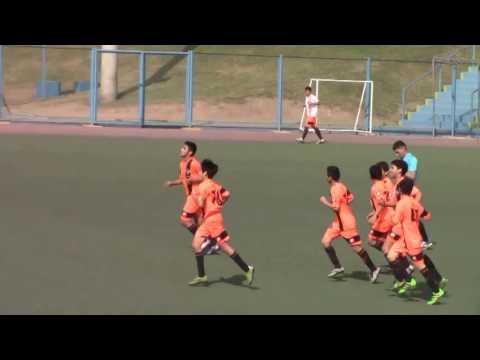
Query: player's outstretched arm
x=172, y=183
x=328, y=204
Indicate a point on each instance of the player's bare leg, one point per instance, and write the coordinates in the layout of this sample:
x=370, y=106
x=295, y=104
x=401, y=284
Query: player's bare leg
x=362, y=253
x=247, y=269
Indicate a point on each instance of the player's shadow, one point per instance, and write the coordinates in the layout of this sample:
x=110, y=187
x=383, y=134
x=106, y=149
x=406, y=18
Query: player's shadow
x=236, y=280
x=161, y=74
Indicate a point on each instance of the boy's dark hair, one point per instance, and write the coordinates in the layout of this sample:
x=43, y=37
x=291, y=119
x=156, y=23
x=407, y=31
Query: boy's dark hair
x=383, y=165
x=398, y=144
x=210, y=168
x=191, y=146
x=308, y=88
x=406, y=186
x=333, y=172
x=376, y=172
x=401, y=165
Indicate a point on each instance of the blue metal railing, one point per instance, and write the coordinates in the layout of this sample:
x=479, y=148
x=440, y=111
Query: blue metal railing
x=408, y=86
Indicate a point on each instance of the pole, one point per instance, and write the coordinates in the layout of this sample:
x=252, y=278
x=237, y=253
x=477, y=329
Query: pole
x=403, y=103
x=2, y=95
x=434, y=77
x=279, y=92
x=44, y=70
x=368, y=98
x=454, y=97
x=141, y=90
x=189, y=89
x=95, y=85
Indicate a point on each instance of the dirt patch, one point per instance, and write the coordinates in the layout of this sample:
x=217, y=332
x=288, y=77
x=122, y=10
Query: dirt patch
x=252, y=110
x=223, y=135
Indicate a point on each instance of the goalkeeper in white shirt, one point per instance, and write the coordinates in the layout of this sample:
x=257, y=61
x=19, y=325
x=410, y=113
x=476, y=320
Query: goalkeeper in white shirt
x=311, y=107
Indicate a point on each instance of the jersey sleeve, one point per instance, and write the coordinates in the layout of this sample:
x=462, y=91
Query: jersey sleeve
x=399, y=214
x=412, y=163
x=196, y=168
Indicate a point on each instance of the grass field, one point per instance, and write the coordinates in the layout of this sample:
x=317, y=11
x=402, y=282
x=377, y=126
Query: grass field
x=236, y=80
x=87, y=228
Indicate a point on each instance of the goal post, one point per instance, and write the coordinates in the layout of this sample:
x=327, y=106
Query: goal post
x=365, y=103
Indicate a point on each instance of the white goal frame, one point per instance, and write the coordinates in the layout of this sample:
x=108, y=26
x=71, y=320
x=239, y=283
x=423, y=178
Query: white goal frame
x=366, y=83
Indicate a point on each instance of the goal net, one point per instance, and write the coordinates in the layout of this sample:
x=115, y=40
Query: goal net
x=344, y=105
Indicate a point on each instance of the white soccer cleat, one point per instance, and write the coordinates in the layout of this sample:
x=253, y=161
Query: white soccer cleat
x=336, y=271
x=426, y=245
x=321, y=141
x=214, y=250
x=299, y=141
x=410, y=269
x=374, y=275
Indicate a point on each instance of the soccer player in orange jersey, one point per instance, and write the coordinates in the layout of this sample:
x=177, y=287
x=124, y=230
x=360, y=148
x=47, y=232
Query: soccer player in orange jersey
x=190, y=177
x=344, y=225
x=408, y=212
x=211, y=197
x=398, y=172
x=381, y=218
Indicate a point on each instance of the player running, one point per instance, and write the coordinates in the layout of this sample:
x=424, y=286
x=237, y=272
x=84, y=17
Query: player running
x=401, y=151
x=408, y=212
x=311, y=108
x=344, y=225
x=397, y=173
x=211, y=197
x=190, y=177
x=381, y=218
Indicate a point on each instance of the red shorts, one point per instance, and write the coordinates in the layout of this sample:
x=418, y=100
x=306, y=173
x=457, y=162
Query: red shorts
x=312, y=121
x=334, y=231
x=190, y=208
x=213, y=227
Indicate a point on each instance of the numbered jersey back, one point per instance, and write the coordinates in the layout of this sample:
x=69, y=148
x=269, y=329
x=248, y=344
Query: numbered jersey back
x=213, y=193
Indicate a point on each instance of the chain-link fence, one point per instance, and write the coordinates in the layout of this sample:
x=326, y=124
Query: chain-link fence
x=187, y=88
x=47, y=83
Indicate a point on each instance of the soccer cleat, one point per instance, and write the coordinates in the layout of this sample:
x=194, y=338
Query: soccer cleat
x=198, y=280
x=443, y=283
x=398, y=284
x=249, y=275
x=336, y=272
x=436, y=296
x=410, y=269
x=427, y=246
x=214, y=250
x=409, y=285
x=299, y=141
x=320, y=141
x=374, y=275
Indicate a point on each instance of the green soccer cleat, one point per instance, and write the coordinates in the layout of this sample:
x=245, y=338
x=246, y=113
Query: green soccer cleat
x=409, y=285
x=249, y=275
x=436, y=296
x=443, y=283
x=198, y=280
x=398, y=284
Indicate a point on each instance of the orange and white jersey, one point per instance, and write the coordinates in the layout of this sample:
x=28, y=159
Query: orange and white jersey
x=310, y=105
